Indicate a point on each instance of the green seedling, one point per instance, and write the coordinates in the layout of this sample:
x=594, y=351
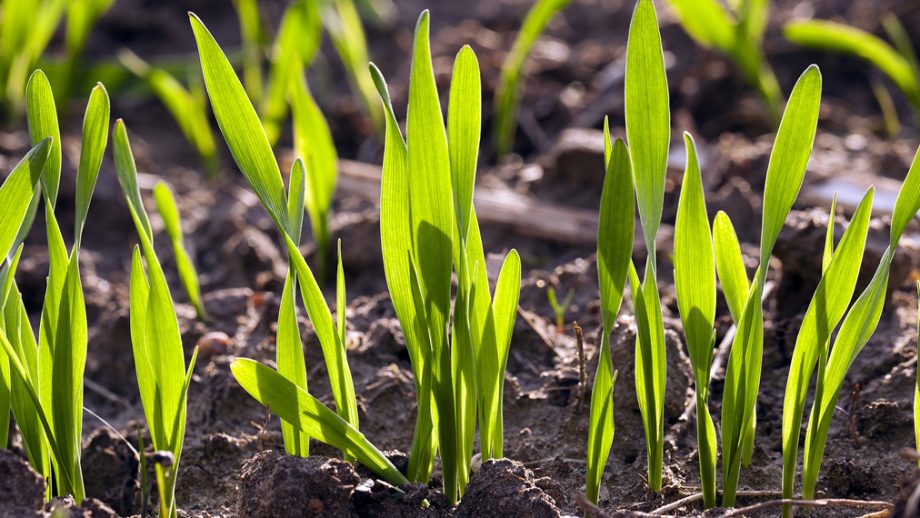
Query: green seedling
x=159, y=362
x=288, y=399
x=695, y=284
x=898, y=62
x=737, y=30
x=47, y=375
x=785, y=172
x=855, y=331
x=507, y=95
x=559, y=309
x=166, y=206
x=428, y=231
x=648, y=132
x=186, y=105
x=616, y=228
x=840, y=268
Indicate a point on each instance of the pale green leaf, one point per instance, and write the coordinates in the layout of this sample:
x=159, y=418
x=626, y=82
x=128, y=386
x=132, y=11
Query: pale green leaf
x=240, y=125
x=730, y=265
x=827, y=307
x=648, y=118
x=791, y=150
x=43, y=123
x=308, y=415
x=464, y=119
x=95, y=140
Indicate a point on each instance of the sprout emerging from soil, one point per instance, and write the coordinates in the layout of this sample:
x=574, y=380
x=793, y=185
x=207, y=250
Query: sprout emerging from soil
x=648, y=132
x=785, y=173
x=46, y=385
x=159, y=363
x=614, y=255
x=428, y=231
x=285, y=397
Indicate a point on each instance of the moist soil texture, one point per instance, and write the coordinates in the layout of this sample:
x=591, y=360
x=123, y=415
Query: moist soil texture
x=232, y=463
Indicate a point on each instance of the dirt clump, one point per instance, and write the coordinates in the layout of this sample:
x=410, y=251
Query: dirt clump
x=273, y=484
x=22, y=490
x=504, y=487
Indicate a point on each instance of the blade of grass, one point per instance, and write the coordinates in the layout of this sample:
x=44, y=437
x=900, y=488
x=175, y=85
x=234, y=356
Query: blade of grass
x=614, y=251
x=827, y=307
x=95, y=139
x=648, y=119
x=857, y=328
x=431, y=220
x=166, y=206
x=239, y=124
x=695, y=284
x=309, y=416
x=395, y=244
x=730, y=265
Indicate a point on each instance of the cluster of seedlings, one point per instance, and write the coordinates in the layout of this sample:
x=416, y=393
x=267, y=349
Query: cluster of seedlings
x=457, y=327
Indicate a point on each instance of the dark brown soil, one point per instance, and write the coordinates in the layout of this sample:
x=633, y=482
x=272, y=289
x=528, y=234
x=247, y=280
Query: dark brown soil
x=231, y=465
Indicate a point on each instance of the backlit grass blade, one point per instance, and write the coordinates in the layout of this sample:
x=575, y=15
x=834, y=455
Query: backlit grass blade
x=785, y=173
x=464, y=120
x=311, y=417
x=857, y=328
x=730, y=265
x=395, y=245
x=247, y=141
x=186, y=108
x=289, y=353
x=166, y=206
x=615, y=233
x=507, y=95
x=95, y=139
x=648, y=119
x=291, y=362
x=126, y=171
x=19, y=332
x=43, y=123
x=650, y=367
x=829, y=237
x=432, y=221
x=313, y=142
x=239, y=124
x=833, y=36
x=707, y=21
x=159, y=360
x=827, y=307
x=503, y=312
x=17, y=191
x=648, y=130
x=695, y=284
x=791, y=150
x=463, y=132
